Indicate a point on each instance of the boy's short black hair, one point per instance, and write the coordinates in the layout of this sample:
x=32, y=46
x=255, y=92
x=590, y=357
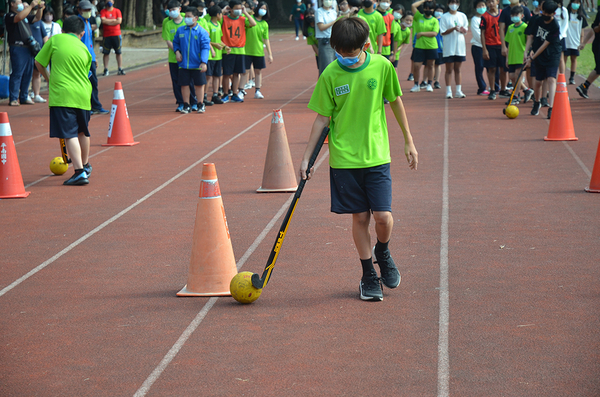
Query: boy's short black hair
x=355, y=3
x=214, y=11
x=439, y=7
x=407, y=14
x=73, y=24
x=549, y=7
x=516, y=10
x=193, y=10
x=233, y=3
x=48, y=10
x=223, y=4
x=173, y=4
x=67, y=12
x=398, y=7
x=477, y=2
x=349, y=34
x=198, y=3
x=429, y=5
x=258, y=6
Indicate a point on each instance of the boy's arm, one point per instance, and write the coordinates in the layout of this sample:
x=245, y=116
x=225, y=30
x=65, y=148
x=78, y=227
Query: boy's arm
x=269, y=52
x=426, y=34
x=537, y=53
x=43, y=71
x=486, y=54
x=502, y=26
x=251, y=20
x=379, y=43
x=416, y=5
x=317, y=128
x=409, y=147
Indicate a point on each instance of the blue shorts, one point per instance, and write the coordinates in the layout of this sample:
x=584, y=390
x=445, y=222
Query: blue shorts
x=424, y=55
x=542, y=72
x=454, y=59
x=214, y=68
x=67, y=123
x=258, y=62
x=515, y=67
x=496, y=59
x=187, y=76
x=570, y=52
x=359, y=190
x=233, y=63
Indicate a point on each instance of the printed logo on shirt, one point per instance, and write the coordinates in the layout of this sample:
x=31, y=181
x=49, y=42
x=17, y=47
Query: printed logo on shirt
x=372, y=84
x=343, y=90
x=542, y=33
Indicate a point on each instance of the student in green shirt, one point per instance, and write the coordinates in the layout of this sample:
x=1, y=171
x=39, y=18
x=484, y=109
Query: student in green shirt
x=426, y=28
x=257, y=40
x=516, y=38
x=214, y=68
x=376, y=26
x=70, y=92
x=311, y=40
x=347, y=99
x=402, y=34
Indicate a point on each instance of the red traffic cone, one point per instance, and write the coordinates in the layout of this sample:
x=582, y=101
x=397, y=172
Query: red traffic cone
x=595, y=181
x=11, y=181
x=279, y=174
x=212, y=266
x=119, y=129
x=561, y=121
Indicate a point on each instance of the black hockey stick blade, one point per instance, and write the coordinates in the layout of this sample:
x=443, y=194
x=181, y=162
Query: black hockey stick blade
x=258, y=281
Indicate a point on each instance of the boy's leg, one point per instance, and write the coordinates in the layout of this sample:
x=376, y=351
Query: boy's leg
x=105, y=60
x=384, y=223
x=416, y=70
x=258, y=78
x=174, y=70
x=226, y=82
x=361, y=235
x=457, y=73
x=235, y=81
x=84, y=144
x=200, y=92
x=430, y=70
x=551, y=90
x=36, y=82
x=119, y=60
x=74, y=150
x=491, y=72
x=448, y=74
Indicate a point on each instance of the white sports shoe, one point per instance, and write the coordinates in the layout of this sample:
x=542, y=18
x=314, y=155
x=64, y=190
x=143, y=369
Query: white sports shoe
x=258, y=95
x=39, y=99
x=240, y=95
x=248, y=85
x=459, y=94
x=429, y=88
x=415, y=88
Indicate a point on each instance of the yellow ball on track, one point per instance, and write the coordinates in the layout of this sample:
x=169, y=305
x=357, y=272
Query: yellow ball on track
x=242, y=289
x=58, y=166
x=512, y=112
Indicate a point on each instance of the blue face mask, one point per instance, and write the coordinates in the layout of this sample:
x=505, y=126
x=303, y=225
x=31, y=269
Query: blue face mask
x=189, y=21
x=349, y=61
x=174, y=14
x=482, y=10
x=109, y=4
x=438, y=14
x=535, y=4
x=575, y=6
x=515, y=19
x=20, y=7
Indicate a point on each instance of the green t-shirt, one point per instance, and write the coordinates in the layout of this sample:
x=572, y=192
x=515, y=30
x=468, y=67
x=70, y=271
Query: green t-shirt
x=353, y=98
x=515, y=36
x=216, y=35
x=204, y=24
x=423, y=24
x=401, y=37
x=376, y=26
x=169, y=27
x=256, y=37
x=311, y=39
x=71, y=61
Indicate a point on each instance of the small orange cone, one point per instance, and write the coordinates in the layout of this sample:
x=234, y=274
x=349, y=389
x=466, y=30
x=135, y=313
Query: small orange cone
x=119, y=129
x=212, y=265
x=11, y=181
x=561, y=121
x=595, y=181
x=279, y=174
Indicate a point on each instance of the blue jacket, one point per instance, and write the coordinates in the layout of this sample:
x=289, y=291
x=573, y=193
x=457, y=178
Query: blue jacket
x=88, y=37
x=194, y=45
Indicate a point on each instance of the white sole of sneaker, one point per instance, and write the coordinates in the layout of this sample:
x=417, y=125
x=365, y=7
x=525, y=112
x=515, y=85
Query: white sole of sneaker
x=367, y=298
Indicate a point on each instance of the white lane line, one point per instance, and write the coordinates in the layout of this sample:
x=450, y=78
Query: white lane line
x=576, y=157
x=145, y=388
x=444, y=320
x=126, y=210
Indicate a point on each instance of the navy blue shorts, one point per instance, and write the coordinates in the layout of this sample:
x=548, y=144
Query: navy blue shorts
x=570, y=51
x=455, y=58
x=214, y=68
x=542, y=72
x=233, y=63
x=515, y=67
x=258, y=62
x=187, y=76
x=67, y=123
x=496, y=59
x=359, y=190
x=423, y=55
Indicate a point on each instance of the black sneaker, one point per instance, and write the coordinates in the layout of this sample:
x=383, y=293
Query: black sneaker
x=549, y=113
x=572, y=81
x=121, y=72
x=87, y=169
x=504, y=94
x=437, y=85
x=492, y=96
x=528, y=95
x=77, y=180
x=216, y=100
x=186, y=109
x=370, y=287
x=389, y=272
x=423, y=85
x=201, y=108
x=220, y=92
x=582, y=91
x=411, y=77
x=544, y=102
x=509, y=84
x=536, y=108
x=105, y=73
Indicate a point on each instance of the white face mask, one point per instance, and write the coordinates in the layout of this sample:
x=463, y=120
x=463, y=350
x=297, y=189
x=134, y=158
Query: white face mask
x=262, y=12
x=453, y=7
x=406, y=25
x=384, y=6
x=237, y=13
x=327, y=3
x=397, y=16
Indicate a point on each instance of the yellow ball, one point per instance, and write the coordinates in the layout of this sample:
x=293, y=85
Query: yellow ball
x=242, y=289
x=58, y=166
x=512, y=112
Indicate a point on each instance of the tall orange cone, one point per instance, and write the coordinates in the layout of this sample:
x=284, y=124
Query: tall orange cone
x=561, y=121
x=212, y=265
x=11, y=181
x=119, y=128
x=279, y=174
x=595, y=181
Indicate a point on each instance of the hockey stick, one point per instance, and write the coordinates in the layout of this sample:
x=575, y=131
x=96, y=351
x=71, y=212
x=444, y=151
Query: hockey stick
x=517, y=84
x=63, y=151
x=260, y=282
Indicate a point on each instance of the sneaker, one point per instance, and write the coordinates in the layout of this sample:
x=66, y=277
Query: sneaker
x=544, y=102
x=258, y=95
x=449, y=95
x=194, y=108
x=28, y=102
x=216, y=100
x=14, y=103
x=549, y=113
x=39, y=99
x=423, y=85
x=248, y=85
x=416, y=88
x=243, y=92
x=460, y=94
x=492, y=96
x=536, y=108
x=225, y=99
x=437, y=85
x=389, y=272
x=509, y=84
x=429, y=88
x=572, y=81
x=297, y=38
x=254, y=83
x=100, y=111
x=528, y=95
x=504, y=94
x=206, y=102
x=484, y=93
x=580, y=89
x=31, y=95
x=88, y=169
x=236, y=98
x=370, y=287
x=77, y=179
x=106, y=72
x=516, y=100
x=201, y=108
x=121, y=72
x=185, y=110
x=179, y=108
x=411, y=77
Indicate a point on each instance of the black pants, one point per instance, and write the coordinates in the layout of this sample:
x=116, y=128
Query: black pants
x=96, y=105
x=174, y=70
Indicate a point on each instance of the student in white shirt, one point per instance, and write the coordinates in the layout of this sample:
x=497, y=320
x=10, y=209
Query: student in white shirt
x=477, y=49
x=453, y=27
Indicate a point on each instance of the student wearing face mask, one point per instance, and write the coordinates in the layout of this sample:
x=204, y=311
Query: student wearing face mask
x=297, y=14
x=562, y=18
x=425, y=29
x=257, y=41
x=38, y=32
x=453, y=26
x=388, y=18
x=504, y=23
x=111, y=32
x=476, y=48
x=492, y=47
x=325, y=17
x=377, y=26
x=577, y=24
x=52, y=28
x=402, y=32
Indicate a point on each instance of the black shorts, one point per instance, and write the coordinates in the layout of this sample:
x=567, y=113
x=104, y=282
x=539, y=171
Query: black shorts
x=422, y=55
x=258, y=62
x=440, y=59
x=597, y=56
x=359, y=190
x=214, y=68
x=563, y=43
x=515, y=67
x=67, y=123
x=542, y=72
x=496, y=59
x=570, y=52
x=233, y=63
x=454, y=59
x=112, y=43
x=187, y=76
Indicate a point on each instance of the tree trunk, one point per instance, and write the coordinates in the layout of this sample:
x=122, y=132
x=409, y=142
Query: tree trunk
x=57, y=6
x=149, y=21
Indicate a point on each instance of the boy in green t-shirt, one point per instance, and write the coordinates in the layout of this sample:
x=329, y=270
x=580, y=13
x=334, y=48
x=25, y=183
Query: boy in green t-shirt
x=516, y=38
x=376, y=26
x=70, y=91
x=426, y=29
x=311, y=39
x=402, y=34
x=347, y=98
x=214, y=68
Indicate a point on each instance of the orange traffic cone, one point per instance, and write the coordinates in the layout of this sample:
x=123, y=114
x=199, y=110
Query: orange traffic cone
x=11, y=181
x=561, y=121
x=212, y=265
x=595, y=181
x=119, y=128
x=279, y=174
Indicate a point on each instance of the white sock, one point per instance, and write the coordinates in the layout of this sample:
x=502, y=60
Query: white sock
x=458, y=88
x=448, y=90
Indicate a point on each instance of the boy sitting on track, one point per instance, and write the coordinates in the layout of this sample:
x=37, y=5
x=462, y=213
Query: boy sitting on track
x=70, y=92
x=347, y=98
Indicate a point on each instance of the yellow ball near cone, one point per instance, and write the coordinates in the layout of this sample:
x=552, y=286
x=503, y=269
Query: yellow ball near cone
x=58, y=166
x=242, y=289
x=512, y=112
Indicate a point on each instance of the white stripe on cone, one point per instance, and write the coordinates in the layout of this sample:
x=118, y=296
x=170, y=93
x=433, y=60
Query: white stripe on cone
x=5, y=129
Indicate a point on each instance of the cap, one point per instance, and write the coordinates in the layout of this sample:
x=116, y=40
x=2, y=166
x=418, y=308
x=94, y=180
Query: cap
x=85, y=5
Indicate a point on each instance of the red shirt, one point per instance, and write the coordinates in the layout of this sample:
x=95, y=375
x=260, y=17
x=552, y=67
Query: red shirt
x=387, y=37
x=111, y=30
x=234, y=31
x=490, y=24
